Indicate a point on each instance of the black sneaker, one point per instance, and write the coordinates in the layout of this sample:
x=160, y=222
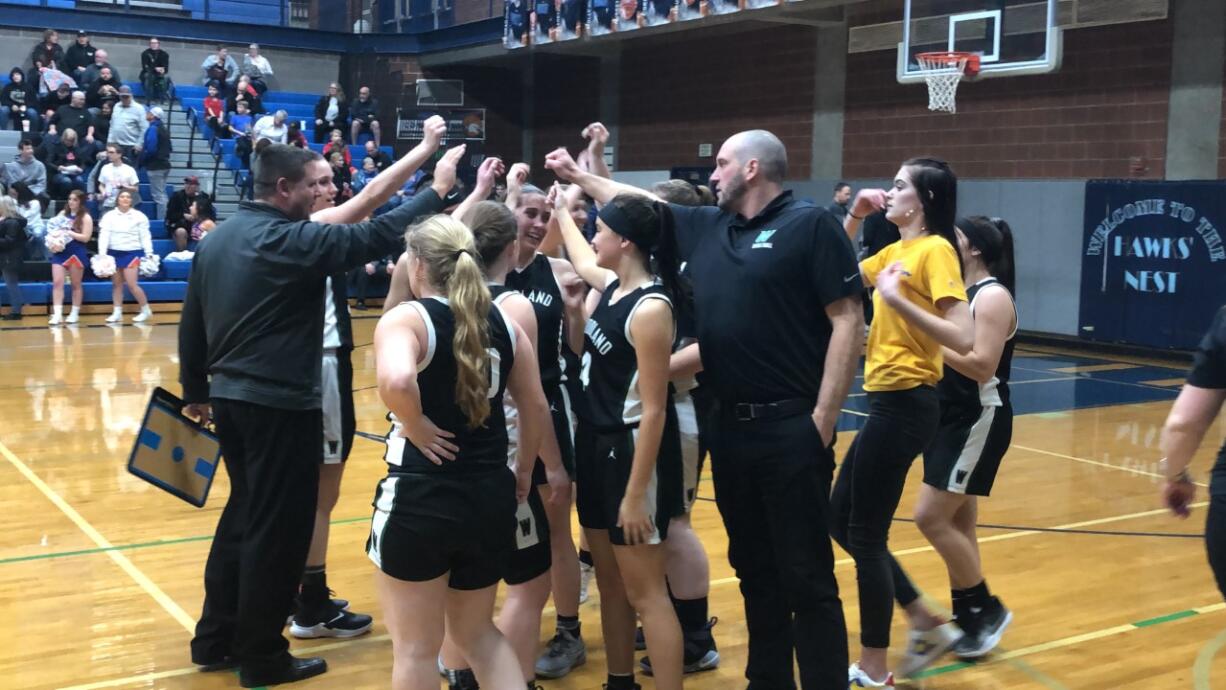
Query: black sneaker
x=342, y=604
x=983, y=631
x=461, y=679
x=333, y=622
x=700, y=651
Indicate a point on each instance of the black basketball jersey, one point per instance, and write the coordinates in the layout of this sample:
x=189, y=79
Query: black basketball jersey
x=537, y=282
x=610, y=366
x=482, y=448
x=956, y=389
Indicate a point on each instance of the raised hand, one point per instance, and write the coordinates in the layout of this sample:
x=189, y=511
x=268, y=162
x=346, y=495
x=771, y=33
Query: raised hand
x=868, y=201
x=445, y=170
x=434, y=129
x=560, y=163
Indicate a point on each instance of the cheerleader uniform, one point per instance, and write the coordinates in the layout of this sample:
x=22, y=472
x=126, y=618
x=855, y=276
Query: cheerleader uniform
x=73, y=254
x=125, y=236
x=609, y=423
x=457, y=517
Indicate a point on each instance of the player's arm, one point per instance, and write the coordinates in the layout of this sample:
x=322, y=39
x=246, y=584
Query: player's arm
x=400, y=337
x=651, y=329
x=399, y=290
x=599, y=188
x=582, y=257
x=994, y=317
x=524, y=385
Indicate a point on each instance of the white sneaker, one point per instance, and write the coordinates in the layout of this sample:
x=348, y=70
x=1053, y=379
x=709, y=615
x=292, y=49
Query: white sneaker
x=926, y=646
x=56, y=319
x=857, y=678
x=73, y=316
x=586, y=572
x=115, y=317
x=143, y=316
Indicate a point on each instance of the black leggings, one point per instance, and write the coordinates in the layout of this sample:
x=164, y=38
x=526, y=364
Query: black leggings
x=900, y=424
x=1215, y=539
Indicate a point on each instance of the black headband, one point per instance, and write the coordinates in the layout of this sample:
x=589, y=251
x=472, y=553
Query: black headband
x=617, y=220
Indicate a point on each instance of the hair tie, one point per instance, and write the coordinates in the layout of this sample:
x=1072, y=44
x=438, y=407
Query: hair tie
x=456, y=255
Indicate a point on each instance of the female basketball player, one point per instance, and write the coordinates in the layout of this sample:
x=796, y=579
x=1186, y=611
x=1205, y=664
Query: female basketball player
x=960, y=463
x=921, y=307
x=556, y=293
x=72, y=259
x=527, y=575
x=627, y=447
x=1197, y=406
x=445, y=516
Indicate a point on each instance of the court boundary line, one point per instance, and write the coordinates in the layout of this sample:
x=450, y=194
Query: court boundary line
x=142, y=580
x=1096, y=463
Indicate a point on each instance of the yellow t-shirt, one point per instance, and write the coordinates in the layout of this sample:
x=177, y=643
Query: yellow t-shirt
x=900, y=355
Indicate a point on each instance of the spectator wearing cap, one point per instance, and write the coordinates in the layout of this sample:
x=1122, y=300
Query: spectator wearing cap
x=364, y=113
x=128, y=124
x=257, y=68
x=94, y=71
x=155, y=72
x=221, y=69
x=79, y=56
x=179, y=216
x=271, y=127
x=155, y=157
x=104, y=88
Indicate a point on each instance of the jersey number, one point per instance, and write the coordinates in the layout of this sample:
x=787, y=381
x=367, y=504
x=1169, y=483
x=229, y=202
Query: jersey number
x=495, y=371
x=585, y=370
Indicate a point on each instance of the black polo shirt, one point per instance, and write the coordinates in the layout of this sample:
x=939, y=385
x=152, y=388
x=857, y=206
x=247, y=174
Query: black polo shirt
x=1209, y=371
x=760, y=290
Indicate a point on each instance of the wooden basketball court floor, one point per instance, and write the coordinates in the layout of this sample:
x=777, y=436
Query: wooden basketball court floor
x=100, y=573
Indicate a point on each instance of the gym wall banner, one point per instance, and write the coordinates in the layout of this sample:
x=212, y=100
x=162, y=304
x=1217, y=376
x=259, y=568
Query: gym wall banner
x=1153, y=266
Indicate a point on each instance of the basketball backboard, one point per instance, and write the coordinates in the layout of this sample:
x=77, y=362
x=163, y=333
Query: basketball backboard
x=1011, y=37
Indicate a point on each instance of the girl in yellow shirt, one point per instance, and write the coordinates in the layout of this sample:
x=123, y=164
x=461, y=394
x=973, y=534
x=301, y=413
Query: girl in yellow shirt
x=919, y=306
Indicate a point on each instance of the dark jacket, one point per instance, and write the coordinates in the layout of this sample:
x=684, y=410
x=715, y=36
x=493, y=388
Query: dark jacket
x=53, y=102
x=364, y=111
x=382, y=160
x=93, y=72
x=18, y=94
x=78, y=57
x=253, y=316
x=94, y=97
x=42, y=56
x=13, y=242
x=151, y=58
x=61, y=154
x=178, y=206
x=68, y=117
x=321, y=109
x=156, y=148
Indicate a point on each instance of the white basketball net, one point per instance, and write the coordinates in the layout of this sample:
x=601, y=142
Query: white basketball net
x=942, y=72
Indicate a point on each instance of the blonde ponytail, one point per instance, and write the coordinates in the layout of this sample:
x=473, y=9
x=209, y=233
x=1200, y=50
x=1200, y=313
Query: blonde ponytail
x=447, y=249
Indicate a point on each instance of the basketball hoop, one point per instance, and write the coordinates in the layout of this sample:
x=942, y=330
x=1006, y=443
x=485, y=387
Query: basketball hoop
x=942, y=71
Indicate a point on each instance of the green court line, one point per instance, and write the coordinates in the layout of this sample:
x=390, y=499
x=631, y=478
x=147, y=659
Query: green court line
x=1165, y=619
x=137, y=545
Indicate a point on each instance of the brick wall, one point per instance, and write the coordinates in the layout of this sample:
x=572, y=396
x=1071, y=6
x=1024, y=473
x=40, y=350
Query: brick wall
x=686, y=91
x=1105, y=108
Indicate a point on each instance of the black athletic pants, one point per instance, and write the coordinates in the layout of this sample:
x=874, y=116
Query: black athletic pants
x=1215, y=539
x=900, y=424
x=772, y=487
x=262, y=539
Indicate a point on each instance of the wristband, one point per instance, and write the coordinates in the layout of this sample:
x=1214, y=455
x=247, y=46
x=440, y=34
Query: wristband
x=855, y=216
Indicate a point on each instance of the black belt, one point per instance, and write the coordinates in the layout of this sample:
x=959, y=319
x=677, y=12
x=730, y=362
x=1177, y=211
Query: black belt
x=746, y=412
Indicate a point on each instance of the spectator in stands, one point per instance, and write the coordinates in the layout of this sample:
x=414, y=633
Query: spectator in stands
x=295, y=137
x=115, y=177
x=26, y=168
x=363, y=177
x=94, y=71
x=104, y=88
x=215, y=113
x=180, y=216
x=382, y=160
x=123, y=233
x=245, y=92
x=12, y=249
x=241, y=123
x=79, y=56
x=205, y=217
x=70, y=164
x=331, y=112
x=155, y=72
x=19, y=105
x=364, y=113
x=257, y=68
x=102, y=126
x=30, y=206
x=340, y=177
x=271, y=127
x=54, y=99
x=48, y=54
x=220, y=69
x=128, y=124
x=71, y=260
x=155, y=157
x=337, y=143
x=74, y=116
x=377, y=272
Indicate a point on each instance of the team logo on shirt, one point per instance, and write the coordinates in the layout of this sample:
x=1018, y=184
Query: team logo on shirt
x=764, y=240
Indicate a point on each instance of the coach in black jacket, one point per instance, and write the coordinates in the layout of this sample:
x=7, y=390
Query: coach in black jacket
x=249, y=344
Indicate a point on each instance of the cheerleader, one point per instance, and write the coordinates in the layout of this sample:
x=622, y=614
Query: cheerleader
x=77, y=224
x=123, y=234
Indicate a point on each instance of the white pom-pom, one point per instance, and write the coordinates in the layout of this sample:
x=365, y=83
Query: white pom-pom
x=56, y=241
x=150, y=265
x=103, y=265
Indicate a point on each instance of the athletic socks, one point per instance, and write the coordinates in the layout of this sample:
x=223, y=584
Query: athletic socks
x=691, y=613
x=585, y=557
x=616, y=682
x=314, y=593
x=569, y=624
x=978, y=597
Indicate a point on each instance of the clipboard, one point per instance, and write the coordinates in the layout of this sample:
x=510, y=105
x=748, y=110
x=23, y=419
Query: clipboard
x=174, y=453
